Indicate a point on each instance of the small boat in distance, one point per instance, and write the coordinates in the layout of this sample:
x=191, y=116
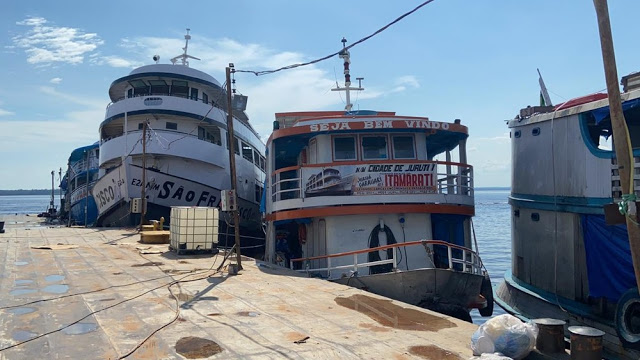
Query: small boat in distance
x=81, y=176
x=571, y=258
x=356, y=197
x=187, y=142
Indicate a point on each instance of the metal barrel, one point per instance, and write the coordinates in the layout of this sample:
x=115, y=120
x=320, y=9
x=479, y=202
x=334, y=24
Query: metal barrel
x=550, y=338
x=586, y=343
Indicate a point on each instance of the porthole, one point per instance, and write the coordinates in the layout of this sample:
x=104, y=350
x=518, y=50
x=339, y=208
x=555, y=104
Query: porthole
x=517, y=134
x=535, y=216
x=516, y=213
x=535, y=131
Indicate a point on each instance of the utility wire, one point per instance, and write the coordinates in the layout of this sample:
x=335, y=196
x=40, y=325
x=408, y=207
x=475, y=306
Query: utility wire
x=293, y=66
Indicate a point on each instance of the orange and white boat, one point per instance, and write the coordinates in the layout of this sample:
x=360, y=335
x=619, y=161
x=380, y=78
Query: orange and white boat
x=356, y=197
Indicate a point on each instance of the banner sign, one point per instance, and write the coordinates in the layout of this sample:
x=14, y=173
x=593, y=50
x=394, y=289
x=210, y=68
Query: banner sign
x=371, y=179
x=110, y=189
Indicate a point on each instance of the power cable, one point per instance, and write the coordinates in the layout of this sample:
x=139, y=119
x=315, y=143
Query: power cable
x=293, y=66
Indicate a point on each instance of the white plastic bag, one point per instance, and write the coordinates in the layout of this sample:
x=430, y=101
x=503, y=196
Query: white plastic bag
x=505, y=334
x=493, y=356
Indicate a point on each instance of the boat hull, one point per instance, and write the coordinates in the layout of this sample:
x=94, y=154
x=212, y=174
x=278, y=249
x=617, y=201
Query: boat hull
x=442, y=290
x=77, y=211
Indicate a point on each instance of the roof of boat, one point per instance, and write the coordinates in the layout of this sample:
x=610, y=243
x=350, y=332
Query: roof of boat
x=78, y=153
x=573, y=106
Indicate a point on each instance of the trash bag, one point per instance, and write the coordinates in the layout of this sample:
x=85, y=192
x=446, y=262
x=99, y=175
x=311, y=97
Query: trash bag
x=494, y=356
x=505, y=334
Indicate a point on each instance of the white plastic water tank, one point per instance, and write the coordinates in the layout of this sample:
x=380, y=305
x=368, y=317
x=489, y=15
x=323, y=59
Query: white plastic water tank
x=193, y=228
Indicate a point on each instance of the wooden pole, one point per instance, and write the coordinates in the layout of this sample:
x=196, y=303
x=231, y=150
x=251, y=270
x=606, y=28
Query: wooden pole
x=144, y=174
x=232, y=166
x=624, y=153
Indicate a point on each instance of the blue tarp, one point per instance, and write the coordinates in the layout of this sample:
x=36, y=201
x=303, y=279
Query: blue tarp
x=609, y=264
x=601, y=113
x=449, y=227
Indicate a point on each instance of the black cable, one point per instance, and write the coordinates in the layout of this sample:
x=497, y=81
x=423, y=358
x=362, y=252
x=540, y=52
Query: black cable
x=265, y=72
x=374, y=241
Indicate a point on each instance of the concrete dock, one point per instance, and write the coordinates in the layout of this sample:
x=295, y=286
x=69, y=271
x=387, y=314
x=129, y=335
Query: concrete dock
x=114, y=300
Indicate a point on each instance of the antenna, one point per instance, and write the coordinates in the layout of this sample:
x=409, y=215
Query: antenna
x=184, y=55
x=344, y=54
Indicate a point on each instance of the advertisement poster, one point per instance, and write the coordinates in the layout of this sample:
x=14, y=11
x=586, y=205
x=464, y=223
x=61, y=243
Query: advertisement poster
x=370, y=179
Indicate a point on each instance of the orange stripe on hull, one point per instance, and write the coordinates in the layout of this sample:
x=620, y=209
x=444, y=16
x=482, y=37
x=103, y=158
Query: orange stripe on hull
x=372, y=209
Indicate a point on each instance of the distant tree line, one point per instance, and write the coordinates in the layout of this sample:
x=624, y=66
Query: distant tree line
x=27, y=192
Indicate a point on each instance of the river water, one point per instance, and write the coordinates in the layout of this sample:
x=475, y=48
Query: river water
x=491, y=223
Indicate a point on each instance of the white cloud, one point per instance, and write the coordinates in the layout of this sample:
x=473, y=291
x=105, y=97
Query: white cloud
x=45, y=45
x=56, y=80
x=114, y=61
x=5, y=112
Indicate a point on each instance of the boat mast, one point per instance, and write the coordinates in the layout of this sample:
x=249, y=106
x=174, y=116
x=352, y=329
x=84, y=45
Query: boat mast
x=620, y=134
x=344, y=54
x=184, y=55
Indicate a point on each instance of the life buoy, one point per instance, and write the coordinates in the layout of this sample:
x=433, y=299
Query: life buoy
x=486, y=290
x=628, y=319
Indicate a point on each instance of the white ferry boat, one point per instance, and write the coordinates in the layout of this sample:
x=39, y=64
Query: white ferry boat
x=356, y=197
x=187, y=161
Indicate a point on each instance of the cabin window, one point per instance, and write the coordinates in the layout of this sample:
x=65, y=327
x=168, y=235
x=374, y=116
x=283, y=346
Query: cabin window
x=194, y=94
x=247, y=151
x=256, y=157
x=262, y=163
x=140, y=88
x=236, y=148
x=258, y=193
x=517, y=134
x=403, y=147
x=344, y=148
x=205, y=98
x=210, y=134
x=535, y=131
x=535, y=216
x=171, y=126
x=130, y=92
x=159, y=87
x=374, y=148
x=179, y=88
x=140, y=126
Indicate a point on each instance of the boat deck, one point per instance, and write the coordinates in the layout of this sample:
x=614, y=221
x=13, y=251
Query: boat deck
x=265, y=312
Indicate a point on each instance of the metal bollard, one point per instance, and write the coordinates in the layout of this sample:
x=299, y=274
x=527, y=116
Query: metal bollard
x=550, y=335
x=586, y=343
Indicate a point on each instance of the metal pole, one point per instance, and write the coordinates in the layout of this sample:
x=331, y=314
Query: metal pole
x=144, y=174
x=620, y=132
x=86, y=197
x=232, y=166
x=53, y=197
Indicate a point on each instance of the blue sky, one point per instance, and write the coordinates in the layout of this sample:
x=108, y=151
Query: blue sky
x=473, y=60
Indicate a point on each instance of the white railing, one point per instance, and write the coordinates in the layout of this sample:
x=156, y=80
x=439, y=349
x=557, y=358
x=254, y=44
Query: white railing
x=469, y=260
x=81, y=165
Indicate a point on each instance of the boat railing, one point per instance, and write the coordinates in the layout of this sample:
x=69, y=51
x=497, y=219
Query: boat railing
x=287, y=183
x=183, y=96
x=459, y=258
x=84, y=165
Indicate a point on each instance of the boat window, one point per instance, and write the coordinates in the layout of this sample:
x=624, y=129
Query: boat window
x=535, y=131
x=256, y=157
x=262, y=163
x=140, y=126
x=171, y=126
x=130, y=92
x=205, y=98
x=210, y=134
x=517, y=133
x=194, y=94
x=179, y=88
x=344, y=148
x=236, y=149
x=258, y=193
x=374, y=147
x=159, y=87
x=140, y=88
x=247, y=151
x=403, y=147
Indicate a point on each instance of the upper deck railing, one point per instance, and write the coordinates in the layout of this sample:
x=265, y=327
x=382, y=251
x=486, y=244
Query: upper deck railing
x=84, y=165
x=415, y=181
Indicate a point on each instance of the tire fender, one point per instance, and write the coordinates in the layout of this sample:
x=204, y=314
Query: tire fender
x=486, y=290
x=628, y=319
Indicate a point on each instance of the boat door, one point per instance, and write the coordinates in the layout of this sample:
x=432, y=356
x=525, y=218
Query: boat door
x=320, y=245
